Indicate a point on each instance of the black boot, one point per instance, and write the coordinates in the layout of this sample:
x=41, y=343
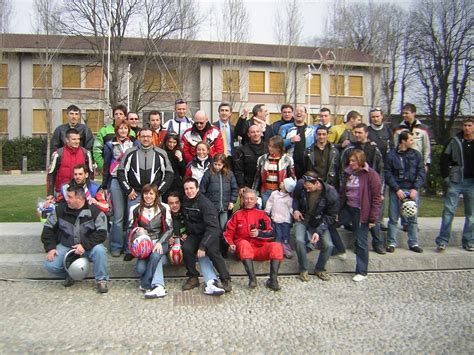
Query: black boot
x=272, y=282
x=248, y=264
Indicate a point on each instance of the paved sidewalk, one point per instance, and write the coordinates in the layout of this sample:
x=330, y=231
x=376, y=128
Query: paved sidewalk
x=35, y=178
x=387, y=313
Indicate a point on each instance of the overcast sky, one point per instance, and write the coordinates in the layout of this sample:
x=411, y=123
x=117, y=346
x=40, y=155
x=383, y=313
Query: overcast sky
x=262, y=14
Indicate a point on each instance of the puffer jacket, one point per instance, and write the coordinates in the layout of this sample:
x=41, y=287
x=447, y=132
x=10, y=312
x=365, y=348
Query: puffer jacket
x=404, y=170
x=86, y=226
x=451, y=163
x=114, y=151
x=219, y=189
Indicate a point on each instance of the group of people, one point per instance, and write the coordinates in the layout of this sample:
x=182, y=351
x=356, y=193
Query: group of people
x=180, y=184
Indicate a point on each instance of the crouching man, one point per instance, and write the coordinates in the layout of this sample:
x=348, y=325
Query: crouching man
x=76, y=225
x=249, y=235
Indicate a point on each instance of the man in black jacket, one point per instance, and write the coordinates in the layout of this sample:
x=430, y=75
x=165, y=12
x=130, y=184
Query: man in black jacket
x=315, y=208
x=75, y=224
x=246, y=156
x=58, y=139
x=203, y=230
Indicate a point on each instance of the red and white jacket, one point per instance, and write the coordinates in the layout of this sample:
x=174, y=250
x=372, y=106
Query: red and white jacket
x=191, y=138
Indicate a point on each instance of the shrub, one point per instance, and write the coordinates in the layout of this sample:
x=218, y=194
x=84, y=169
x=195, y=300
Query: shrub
x=34, y=148
x=434, y=183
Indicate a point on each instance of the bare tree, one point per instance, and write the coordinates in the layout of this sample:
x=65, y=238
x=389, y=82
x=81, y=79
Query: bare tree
x=233, y=30
x=288, y=27
x=6, y=10
x=153, y=20
x=442, y=47
x=46, y=10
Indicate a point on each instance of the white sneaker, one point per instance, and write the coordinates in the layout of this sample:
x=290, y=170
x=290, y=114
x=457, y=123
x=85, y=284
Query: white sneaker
x=359, y=277
x=212, y=289
x=158, y=292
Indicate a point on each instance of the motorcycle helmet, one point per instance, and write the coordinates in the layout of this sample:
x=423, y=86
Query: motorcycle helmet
x=140, y=245
x=176, y=253
x=409, y=208
x=77, y=266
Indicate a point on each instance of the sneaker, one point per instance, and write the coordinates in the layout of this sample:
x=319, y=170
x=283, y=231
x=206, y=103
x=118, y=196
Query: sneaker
x=323, y=275
x=304, y=276
x=391, y=249
x=416, y=249
x=468, y=247
x=158, y=292
x=341, y=256
x=212, y=289
x=226, y=285
x=441, y=247
x=191, y=282
x=69, y=281
x=380, y=250
x=115, y=253
x=102, y=286
x=359, y=277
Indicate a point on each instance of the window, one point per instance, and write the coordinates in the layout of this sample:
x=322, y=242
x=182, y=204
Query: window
x=40, y=121
x=3, y=121
x=275, y=117
x=231, y=81
x=42, y=76
x=3, y=75
x=256, y=81
x=152, y=80
x=94, y=119
x=355, y=86
x=277, y=83
x=315, y=85
x=71, y=76
x=171, y=80
x=337, y=85
x=94, y=77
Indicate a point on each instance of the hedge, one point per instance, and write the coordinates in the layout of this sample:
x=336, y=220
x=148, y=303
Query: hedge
x=33, y=148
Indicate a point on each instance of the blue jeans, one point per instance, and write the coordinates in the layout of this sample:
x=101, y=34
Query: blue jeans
x=281, y=231
x=207, y=269
x=98, y=255
x=151, y=268
x=118, y=236
x=223, y=218
x=451, y=201
x=303, y=236
x=361, y=233
x=265, y=196
x=394, y=214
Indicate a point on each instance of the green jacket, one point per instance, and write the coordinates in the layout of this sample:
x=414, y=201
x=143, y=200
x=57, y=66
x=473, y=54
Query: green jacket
x=104, y=135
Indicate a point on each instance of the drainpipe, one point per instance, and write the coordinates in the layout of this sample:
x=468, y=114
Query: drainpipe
x=212, y=91
x=20, y=93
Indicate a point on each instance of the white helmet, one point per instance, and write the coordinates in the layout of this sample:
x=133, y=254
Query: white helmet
x=409, y=208
x=77, y=266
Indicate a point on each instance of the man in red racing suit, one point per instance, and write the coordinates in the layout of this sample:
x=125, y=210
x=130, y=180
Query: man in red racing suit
x=249, y=235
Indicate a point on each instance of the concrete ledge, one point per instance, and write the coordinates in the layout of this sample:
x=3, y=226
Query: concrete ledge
x=19, y=266
x=24, y=238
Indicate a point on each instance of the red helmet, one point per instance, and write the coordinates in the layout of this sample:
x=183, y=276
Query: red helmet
x=140, y=245
x=176, y=253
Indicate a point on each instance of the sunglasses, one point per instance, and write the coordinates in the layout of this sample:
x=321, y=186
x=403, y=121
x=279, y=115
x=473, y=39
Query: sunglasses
x=310, y=178
x=180, y=101
x=133, y=118
x=376, y=109
x=200, y=123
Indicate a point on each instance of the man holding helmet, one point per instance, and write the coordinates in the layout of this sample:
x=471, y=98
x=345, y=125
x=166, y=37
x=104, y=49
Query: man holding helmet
x=76, y=225
x=405, y=173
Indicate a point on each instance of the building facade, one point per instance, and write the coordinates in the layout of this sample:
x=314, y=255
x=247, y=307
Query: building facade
x=42, y=75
